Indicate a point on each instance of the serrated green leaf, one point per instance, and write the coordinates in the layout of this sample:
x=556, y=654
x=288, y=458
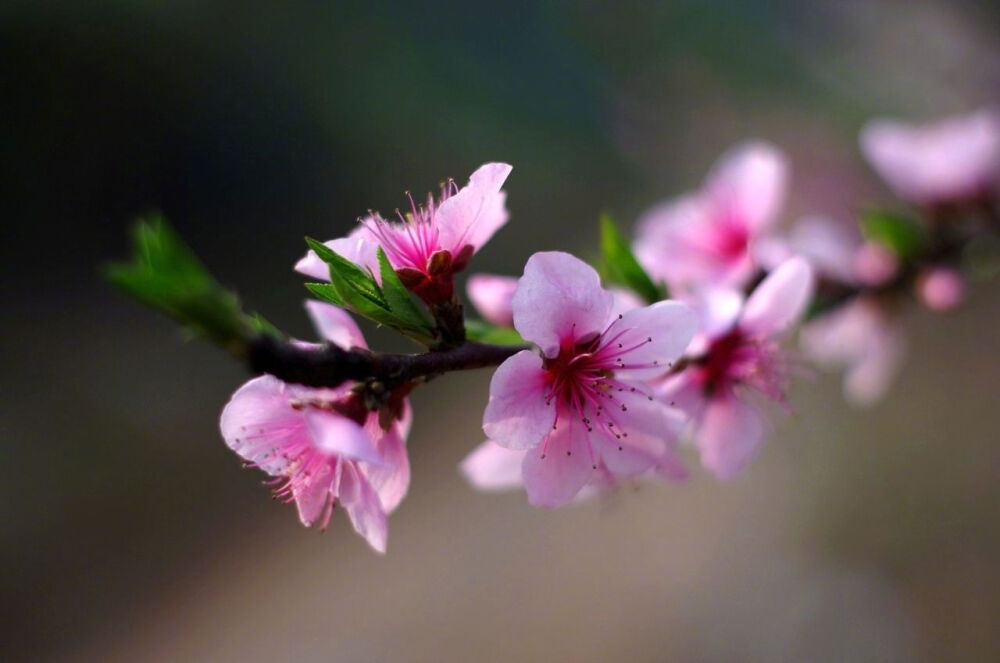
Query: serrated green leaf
x=397, y=296
x=345, y=275
x=903, y=236
x=326, y=292
x=484, y=332
x=620, y=267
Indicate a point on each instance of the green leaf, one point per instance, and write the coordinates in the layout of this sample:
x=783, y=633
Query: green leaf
x=397, y=296
x=903, y=236
x=484, y=332
x=356, y=290
x=166, y=275
x=619, y=266
x=347, y=277
x=326, y=292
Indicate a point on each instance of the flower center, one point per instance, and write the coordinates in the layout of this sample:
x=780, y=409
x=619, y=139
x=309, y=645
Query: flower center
x=737, y=358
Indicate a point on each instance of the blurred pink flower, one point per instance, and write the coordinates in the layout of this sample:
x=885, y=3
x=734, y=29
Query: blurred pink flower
x=430, y=243
x=941, y=289
x=705, y=238
x=861, y=338
x=323, y=446
x=828, y=246
x=583, y=407
x=736, y=354
x=492, y=296
x=875, y=264
x=949, y=160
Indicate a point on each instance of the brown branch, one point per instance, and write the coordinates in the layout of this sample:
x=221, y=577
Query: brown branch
x=330, y=366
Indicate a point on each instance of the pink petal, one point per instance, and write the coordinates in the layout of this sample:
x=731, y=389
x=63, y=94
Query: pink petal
x=493, y=296
x=668, y=241
x=559, y=298
x=749, y=182
x=554, y=472
x=258, y=421
x=362, y=505
x=491, y=176
x=728, y=436
x=314, y=498
x=391, y=477
x=942, y=161
x=359, y=247
x=335, y=325
x=649, y=431
x=657, y=336
x=478, y=210
x=517, y=415
x=780, y=299
x=493, y=468
x=336, y=435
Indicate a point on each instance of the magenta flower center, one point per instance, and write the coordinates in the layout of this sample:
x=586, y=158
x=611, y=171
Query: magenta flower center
x=738, y=358
x=582, y=379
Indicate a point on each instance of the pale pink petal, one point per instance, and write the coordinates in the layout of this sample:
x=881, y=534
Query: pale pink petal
x=669, y=241
x=648, y=340
x=258, y=421
x=314, y=497
x=780, y=299
x=650, y=429
x=555, y=471
x=335, y=325
x=942, y=161
x=493, y=296
x=867, y=381
x=718, y=309
x=362, y=505
x=336, y=435
x=518, y=414
x=748, y=183
x=359, y=247
x=492, y=468
x=391, y=477
x=828, y=246
x=476, y=212
x=490, y=176
x=858, y=337
x=559, y=298
x=729, y=434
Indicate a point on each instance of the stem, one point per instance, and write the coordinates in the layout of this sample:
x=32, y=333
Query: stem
x=330, y=366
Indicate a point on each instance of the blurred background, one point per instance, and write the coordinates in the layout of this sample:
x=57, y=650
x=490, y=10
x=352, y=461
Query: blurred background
x=130, y=531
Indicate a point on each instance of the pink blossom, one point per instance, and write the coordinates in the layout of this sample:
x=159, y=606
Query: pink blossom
x=432, y=242
x=941, y=289
x=736, y=355
x=323, y=446
x=830, y=247
x=493, y=297
x=582, y=407
x=946, y=161
x=705, y=238
x=861, y=338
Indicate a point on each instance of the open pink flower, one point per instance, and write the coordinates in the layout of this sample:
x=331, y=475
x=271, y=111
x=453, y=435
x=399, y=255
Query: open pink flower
x=430, y=243
x=861, y=338
x=323, y=446
x=705, y=238
x=582, y=407
x=738, y=354
x=947, y=161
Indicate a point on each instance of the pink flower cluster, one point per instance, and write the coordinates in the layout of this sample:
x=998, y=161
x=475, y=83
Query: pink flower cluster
x=610, y=386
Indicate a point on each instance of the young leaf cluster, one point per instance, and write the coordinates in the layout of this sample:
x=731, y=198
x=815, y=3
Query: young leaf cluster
x=166, y=275
x=355, y=289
